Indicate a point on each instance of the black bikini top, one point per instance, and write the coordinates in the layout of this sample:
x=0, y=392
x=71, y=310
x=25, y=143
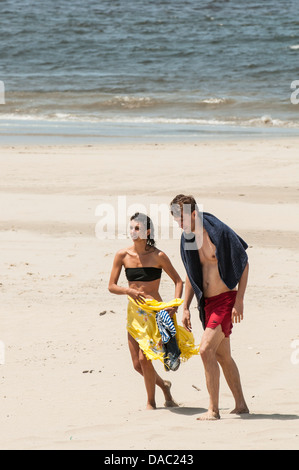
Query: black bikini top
x=143, y=274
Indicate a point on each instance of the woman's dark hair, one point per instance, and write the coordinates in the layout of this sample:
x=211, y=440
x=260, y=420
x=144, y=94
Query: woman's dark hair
x=148, y=224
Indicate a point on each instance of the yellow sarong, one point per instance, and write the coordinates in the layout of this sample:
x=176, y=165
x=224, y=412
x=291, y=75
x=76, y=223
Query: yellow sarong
x=142, y=326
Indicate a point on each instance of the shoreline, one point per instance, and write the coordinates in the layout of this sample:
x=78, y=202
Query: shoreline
x=29, y=132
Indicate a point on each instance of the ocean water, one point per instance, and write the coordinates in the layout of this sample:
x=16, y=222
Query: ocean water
x=103, y=69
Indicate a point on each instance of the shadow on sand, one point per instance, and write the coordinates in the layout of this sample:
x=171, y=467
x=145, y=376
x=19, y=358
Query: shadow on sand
x=273, y=416
x=190, y=411
x=187, y=410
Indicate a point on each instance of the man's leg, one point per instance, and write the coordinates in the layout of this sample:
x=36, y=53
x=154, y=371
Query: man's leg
x=211, y=340
x=231, y=375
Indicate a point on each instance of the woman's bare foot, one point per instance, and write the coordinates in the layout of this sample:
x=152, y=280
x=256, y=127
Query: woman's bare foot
x=209, y=416
x=169, y=401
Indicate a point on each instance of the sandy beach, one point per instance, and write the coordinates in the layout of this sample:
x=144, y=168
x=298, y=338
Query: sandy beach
x=67, y=381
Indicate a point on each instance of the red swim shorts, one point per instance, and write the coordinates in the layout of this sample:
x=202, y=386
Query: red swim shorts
x=218, y=311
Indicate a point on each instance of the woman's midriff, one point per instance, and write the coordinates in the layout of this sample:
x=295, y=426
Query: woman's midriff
x=150, y=289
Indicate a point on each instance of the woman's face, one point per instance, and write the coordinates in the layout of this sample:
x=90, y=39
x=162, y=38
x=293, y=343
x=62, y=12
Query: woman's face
x=137, y=230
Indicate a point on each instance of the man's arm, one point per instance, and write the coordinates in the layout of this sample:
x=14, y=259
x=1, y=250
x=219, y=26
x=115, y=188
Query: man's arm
x=237, y=311
x=172, y=273
x=189, y=293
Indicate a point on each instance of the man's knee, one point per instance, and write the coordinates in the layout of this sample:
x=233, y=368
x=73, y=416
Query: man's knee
x=206, y=352
x=223, y=359
x=223, y=354
x=210, y=343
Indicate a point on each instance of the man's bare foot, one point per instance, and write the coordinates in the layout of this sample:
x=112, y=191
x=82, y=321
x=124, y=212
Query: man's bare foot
x=240, y=411
x=209, y=416
x=170, y=404
x=169, y=401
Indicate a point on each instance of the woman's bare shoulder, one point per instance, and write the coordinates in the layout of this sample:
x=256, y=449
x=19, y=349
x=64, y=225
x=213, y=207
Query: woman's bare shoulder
x=122, y=253
x=162, y=256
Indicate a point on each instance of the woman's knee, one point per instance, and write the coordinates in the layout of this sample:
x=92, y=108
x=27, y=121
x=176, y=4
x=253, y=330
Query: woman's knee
x=143, y=361
x=137, y=365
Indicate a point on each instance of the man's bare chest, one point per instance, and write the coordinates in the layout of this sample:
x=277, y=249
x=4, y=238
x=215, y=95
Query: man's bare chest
x=207, y=251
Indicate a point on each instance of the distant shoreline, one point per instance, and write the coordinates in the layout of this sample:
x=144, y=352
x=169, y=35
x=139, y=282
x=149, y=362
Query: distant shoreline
x=63, y=132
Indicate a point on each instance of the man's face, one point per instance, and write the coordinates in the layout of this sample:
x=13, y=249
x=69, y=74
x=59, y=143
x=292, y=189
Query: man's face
x=186, y=220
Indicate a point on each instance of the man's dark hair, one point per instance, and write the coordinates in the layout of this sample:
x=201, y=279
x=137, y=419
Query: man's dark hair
x=178, y=202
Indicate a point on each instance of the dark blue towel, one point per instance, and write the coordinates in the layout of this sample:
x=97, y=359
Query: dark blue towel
x=230, y=252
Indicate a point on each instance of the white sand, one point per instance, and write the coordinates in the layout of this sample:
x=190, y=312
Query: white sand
x=54, y=276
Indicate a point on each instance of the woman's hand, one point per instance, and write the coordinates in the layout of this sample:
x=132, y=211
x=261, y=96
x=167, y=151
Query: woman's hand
x=171, y=311
x=138, y=296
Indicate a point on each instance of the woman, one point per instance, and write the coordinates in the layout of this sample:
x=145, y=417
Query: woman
x=143, y=264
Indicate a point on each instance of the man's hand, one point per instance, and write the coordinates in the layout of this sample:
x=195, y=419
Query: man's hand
x=237, y=311
x=186, y=320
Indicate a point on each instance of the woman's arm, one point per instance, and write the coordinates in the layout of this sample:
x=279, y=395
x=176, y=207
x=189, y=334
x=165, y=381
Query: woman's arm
x=167, y=266
x=114, y=276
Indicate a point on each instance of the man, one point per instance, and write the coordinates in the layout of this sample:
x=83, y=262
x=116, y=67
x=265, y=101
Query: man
x=216, y=263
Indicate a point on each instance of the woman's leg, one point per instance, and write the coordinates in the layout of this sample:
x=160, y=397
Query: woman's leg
x=151, y=378
x=149, y=375
x=145, y=368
